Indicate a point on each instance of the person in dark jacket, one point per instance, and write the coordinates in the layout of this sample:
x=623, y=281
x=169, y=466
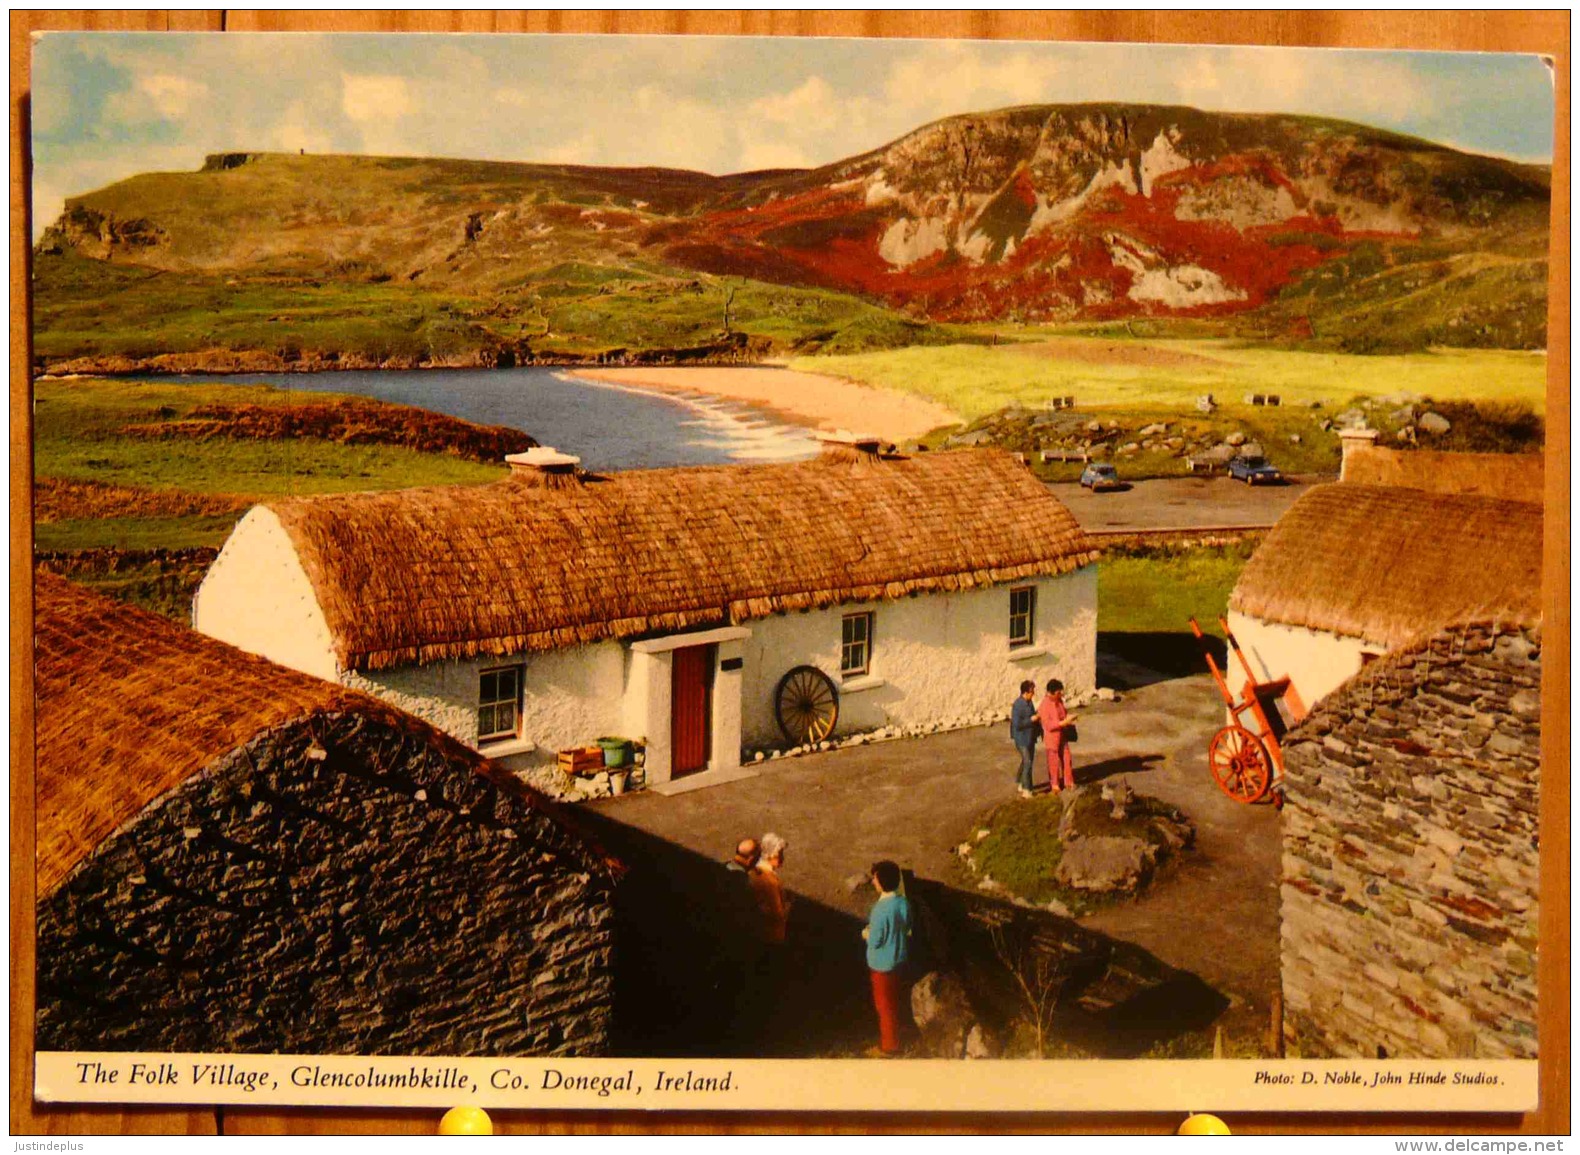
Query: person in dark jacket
x=1025, y=728
x=740, y=956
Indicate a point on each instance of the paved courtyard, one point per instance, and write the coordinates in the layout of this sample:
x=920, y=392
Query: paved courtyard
x=913, y=800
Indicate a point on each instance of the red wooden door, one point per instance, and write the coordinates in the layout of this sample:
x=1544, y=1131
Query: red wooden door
x=691, y=697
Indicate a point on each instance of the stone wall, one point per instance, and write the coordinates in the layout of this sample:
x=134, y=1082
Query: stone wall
x=341, y=884
x=1410, y=855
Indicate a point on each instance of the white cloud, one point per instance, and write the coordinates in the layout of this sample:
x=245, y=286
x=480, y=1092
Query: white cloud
x=771, y=154
x=1263, y=80
x=973, y=81
x=812, y=100
x=374, y=98
x=159, y=96
x=300, y=130
x=796, y=128
x=664, y=128
x=172, y=96
x=574, y=151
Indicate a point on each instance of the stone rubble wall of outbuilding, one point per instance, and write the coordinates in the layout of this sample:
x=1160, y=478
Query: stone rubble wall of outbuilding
x=1409, y=894
x=336, y=885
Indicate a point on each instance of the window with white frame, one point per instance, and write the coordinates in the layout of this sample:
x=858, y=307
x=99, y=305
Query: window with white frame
x=498, y=703
x=1022, y=615
x=855, y=645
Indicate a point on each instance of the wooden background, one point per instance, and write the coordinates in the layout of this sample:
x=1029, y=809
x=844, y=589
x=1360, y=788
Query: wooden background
x=1543, y=32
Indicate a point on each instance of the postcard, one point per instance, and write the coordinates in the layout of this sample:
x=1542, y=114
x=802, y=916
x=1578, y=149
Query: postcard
x=662, y=572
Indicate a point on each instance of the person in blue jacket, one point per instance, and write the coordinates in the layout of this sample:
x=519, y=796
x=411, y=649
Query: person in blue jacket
x=888, y=935
x=1025, y=728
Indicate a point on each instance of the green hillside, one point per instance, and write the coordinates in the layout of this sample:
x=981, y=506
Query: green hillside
x=1298, y=231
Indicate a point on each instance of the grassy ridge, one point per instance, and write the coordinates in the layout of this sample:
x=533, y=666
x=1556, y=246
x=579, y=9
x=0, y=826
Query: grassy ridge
x=79, y=435
x=573, y=309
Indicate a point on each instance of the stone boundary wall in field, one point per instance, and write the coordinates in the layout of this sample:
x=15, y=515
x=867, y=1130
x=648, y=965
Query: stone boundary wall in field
x=1409, y=894
x=335, y=886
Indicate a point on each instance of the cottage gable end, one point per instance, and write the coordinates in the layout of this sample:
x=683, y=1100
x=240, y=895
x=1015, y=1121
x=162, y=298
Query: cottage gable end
x=257, y=596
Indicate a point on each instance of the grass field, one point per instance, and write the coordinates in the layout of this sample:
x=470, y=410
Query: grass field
x=1110, y=374
x=1157, y=591
x=79, y=435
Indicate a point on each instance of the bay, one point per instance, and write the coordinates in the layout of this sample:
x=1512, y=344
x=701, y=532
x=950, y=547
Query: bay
x=609, y=427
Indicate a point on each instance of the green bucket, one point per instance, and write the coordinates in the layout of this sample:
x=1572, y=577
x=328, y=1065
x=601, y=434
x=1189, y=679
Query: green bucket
x=616, y=751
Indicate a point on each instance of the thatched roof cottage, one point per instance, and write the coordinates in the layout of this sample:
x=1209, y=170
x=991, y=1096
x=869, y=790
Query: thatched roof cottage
x=555, y=606
x=233, y=856
x=1352, y=572
x=1407, y=617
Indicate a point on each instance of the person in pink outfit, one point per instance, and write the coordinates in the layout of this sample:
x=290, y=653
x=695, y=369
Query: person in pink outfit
x=1057, y=722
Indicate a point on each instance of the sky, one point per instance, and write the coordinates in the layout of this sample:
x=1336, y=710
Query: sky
x=108, y=106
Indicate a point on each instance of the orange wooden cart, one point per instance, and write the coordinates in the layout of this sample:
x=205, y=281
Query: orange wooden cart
x=1247, y=763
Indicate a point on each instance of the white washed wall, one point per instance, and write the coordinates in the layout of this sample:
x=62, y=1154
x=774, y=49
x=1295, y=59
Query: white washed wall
x=934, y=657
x=568, y=697
x=1316, y=663
x=256, y=596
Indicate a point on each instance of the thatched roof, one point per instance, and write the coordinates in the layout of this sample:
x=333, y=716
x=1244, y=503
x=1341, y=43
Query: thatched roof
x=1388, y=565
x=1512, y=476
x=129, y=705
x=534, y=564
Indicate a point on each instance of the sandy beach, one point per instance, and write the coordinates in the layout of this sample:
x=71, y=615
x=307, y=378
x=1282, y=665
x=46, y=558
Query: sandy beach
x=808, y=398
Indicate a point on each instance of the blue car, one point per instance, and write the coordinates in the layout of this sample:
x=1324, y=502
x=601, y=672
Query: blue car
x=1100, y=476
x=1254, y=470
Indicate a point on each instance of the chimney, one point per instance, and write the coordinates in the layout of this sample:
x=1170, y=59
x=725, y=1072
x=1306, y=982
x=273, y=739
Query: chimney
x=1352, y=440
x=546, y=466
x=848, y=448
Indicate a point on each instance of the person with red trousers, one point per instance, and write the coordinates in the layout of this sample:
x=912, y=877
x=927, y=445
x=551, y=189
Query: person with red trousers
x=888, y=935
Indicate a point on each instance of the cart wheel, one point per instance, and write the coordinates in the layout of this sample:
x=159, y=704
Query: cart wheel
x=1240, y=764
x=806, y=705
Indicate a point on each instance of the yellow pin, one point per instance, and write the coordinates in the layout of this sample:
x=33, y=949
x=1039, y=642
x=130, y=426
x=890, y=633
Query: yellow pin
x=1204, y=1125
x=466, y=1121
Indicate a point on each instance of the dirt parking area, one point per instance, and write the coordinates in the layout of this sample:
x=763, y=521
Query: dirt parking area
x=1214, y=915
x=1183, y=503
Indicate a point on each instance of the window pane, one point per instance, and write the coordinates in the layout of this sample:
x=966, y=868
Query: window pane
x=856, y=643
x=1022, y=624
x=498, y=692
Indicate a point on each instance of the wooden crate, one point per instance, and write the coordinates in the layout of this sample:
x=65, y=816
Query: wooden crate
x=581, y=760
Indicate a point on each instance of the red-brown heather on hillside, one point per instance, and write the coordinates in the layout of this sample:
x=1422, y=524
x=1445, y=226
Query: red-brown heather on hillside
x=1040, y=212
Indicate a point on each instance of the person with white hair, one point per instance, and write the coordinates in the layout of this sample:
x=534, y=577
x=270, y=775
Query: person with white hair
x=769, y=889
x=773, y=908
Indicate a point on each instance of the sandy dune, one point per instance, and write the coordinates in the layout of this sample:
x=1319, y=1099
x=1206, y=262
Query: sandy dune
x=814, y=400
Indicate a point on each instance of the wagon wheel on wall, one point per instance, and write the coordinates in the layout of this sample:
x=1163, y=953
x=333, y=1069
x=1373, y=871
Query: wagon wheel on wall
x=806, y=705
x=1240, y=764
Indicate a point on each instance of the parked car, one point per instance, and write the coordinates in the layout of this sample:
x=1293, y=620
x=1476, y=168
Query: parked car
x=1253, y=470
x=1099, y=475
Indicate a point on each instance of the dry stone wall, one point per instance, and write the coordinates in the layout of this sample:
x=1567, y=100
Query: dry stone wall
x=338, y=885
x=1409, y=893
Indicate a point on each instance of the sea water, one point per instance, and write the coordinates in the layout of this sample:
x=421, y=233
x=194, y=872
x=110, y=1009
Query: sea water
x=608, y=426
